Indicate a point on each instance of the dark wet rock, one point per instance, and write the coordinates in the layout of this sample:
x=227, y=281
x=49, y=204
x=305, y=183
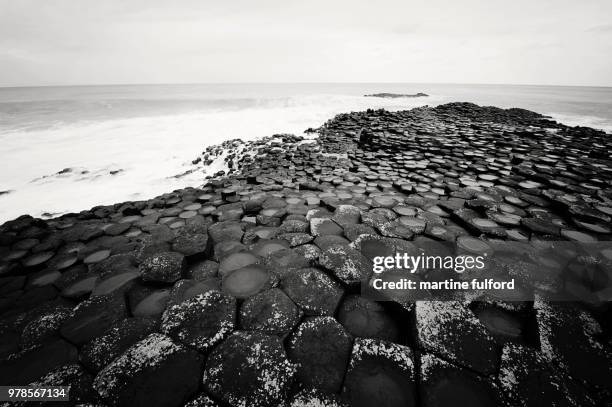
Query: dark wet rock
x=114, y=284
x=323, y=227
x=396, y=229
x=315, y=398
x=202, y=400
x=25, y=244
x=365, y=318
x=186, y=289
x=570, y=343
x=284, y=262
x=527, y=379
x=321, y=348
x=164, y=267
x=380, y=373
x=502, y=325
x=116, y=264
x=593, y=227
x=153, y=372
x=71, y=375
x=476, y=224
x=191, y=244
x=103, y=349
x=233, y=211
x=97, y=256
x=347, y=215
x=117, y=229
x=45, y=326
x=294, y=226
x=35, y=296
x=372, y=246
x=44, y=277
x=578, y=236
x=353, y=231
x=92, y=317
x=347, y=264
x=271, y=312
x=313, y=291
x=377, y=220
x=82, y=232
x=253, y=235
x=247, y=281
x=265, y=248
x=38, y=258
x=449, y=329
x=265, y=373
x=148, y=301
x=236, y=261
x=296, y=239
x=223, y=231
x=11, y=284
x=384, y=202
x=226, y=248
x=541, y=226
x=327, y=241
x=203, y=270
x=202, y=321
x=77, y=282
x=30, y=364
x=443, y=384
x=309, y=251
x=159, y=233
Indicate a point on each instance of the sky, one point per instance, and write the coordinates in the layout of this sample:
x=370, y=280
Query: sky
x=78, y=42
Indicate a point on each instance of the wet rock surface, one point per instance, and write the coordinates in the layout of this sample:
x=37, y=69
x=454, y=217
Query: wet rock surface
x=249, y=369
x=320, y=347
x=246, y=290
x=155, y=371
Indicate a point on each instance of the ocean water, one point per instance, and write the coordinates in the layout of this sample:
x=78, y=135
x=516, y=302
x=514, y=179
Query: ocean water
x=65, y=149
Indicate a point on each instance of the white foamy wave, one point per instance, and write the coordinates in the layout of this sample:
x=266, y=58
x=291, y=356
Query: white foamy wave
x=585, y=121
x=137, y=158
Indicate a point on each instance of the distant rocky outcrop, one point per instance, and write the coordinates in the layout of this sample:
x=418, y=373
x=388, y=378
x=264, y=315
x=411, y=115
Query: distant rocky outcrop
x=397, y=95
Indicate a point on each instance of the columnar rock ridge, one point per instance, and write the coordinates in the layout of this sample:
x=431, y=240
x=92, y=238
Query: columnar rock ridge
x=246, y=291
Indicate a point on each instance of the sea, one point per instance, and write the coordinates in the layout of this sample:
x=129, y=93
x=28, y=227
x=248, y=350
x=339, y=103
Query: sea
x=68, y=148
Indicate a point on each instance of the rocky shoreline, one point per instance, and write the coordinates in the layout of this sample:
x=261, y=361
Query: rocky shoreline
x=246, y=292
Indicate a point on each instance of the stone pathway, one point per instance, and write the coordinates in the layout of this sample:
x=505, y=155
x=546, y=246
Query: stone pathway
x=246, y=292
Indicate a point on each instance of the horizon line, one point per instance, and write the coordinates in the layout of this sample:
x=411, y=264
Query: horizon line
x=294, y=83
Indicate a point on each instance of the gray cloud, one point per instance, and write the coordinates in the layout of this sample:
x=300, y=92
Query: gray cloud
x=605, y=28
x=114, y=41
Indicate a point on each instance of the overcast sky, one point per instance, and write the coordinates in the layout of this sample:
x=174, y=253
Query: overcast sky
x=56, y=42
